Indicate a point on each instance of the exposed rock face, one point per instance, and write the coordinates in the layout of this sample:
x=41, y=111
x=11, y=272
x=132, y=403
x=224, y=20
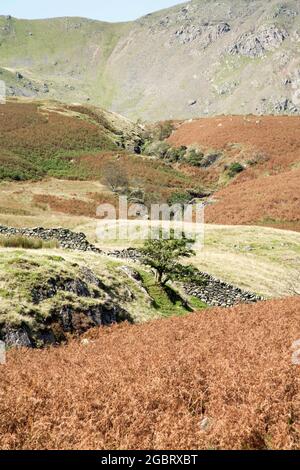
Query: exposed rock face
x=209, y=160
x=63, y=320
x=64, y=299
x=16, y=337
x=198, y=50
x=282, y=105
x=257, y=43
x=285, y=11
x=136, y=277
x=205, y=33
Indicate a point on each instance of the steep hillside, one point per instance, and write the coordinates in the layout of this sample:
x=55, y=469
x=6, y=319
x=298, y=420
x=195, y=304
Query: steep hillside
x=46, y=138
x=265, y=190
x=42, y=137
x=214, y=380
x=202, y=54
x=62, y=58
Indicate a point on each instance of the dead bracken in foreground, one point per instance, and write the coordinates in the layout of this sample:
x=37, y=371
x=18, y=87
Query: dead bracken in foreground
x=151, y=386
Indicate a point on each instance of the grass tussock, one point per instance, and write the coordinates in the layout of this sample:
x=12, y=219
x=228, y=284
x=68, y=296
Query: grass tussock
x=150, y=386
x=27, y=243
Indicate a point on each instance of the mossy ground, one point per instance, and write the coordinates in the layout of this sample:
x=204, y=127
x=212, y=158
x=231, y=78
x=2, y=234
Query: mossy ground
x=166, y=300
x=27, y=277
x=33, y=289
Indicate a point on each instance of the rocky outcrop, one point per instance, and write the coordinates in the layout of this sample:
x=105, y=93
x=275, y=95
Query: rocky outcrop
x=279, y=106
x=18, y=85
x=284, y=11
x=15, y=337
x=128, y=253
x=204, y=33
x=257, y=43
x=66, y=300
x=137, y=279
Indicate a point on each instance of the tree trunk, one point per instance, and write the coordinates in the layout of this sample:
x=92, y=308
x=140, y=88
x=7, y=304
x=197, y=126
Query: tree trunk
x=159, y=276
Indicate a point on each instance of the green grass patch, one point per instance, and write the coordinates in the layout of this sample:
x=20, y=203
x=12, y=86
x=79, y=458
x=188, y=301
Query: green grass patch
x=197, y=304
x=166, y=300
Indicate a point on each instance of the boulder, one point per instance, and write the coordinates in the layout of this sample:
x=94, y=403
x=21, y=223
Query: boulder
x=16, y=337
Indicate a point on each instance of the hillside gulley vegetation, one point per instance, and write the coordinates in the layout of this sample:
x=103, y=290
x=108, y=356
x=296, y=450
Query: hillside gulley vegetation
x=50, y=139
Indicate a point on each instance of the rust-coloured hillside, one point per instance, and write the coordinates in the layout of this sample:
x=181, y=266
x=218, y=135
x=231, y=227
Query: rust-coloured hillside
x=268, y=191
x=217, y=379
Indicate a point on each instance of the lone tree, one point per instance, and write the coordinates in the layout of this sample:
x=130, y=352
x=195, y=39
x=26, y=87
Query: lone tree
x=163, y=256
x=114, y=175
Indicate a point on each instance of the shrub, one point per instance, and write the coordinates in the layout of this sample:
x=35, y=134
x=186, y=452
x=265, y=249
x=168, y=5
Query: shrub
x=115, y=177
x=179, y=198
x=175, y=154
x=235, y=169
x=163, y=130
x=163, y=257
x=163, y=150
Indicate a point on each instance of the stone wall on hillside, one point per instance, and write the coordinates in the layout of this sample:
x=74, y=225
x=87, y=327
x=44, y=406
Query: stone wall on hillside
x=213, y=292
x=217, y=293
x=67, y=239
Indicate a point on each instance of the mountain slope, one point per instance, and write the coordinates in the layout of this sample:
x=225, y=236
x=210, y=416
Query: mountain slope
x=267, y=191
x=199, y=58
